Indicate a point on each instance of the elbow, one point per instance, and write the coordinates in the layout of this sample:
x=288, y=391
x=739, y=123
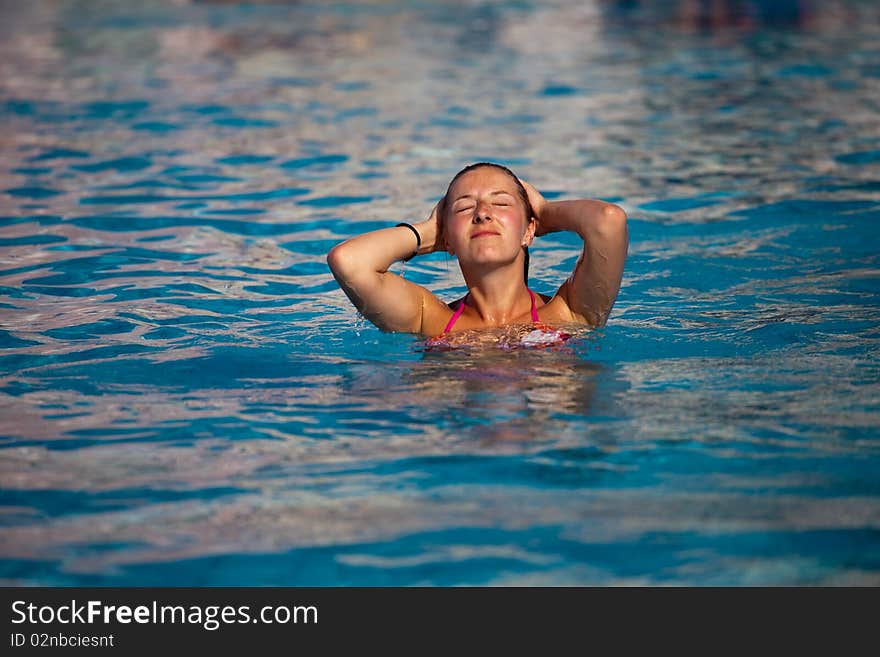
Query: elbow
x=613, y=218
x=339, y=260
x=346, y=263
x=612, y=224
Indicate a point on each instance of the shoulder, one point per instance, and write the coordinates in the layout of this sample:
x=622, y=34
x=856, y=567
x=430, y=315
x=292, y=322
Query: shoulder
x=557, y=309
x=552, y=307
x=436, y=312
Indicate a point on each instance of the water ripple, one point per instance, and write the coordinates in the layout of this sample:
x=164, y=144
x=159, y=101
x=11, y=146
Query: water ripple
x=186, y=394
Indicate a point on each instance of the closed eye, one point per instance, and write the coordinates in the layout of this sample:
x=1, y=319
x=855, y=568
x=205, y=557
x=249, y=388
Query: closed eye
x=466, y=208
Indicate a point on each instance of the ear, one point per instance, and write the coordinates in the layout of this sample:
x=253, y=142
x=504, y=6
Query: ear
x=529, y=236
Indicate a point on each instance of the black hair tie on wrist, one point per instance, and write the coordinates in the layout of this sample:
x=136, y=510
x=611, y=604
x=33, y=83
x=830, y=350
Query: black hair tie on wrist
x=418, y=240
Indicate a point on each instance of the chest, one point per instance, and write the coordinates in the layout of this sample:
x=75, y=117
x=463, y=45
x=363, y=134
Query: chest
x=551, y=312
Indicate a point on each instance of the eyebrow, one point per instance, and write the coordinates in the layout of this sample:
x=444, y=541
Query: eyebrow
x=495, y=193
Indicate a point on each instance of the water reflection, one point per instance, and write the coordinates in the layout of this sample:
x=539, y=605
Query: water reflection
x=490, y=396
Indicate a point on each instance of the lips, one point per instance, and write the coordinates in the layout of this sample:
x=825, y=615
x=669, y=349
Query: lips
x=483, y=233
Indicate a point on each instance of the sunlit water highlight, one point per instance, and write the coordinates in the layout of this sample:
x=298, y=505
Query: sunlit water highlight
x=187, y=398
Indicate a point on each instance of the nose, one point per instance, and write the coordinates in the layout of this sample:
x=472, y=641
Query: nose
x=481, y=213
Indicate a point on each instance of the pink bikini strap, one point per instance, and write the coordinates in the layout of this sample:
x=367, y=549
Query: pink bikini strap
x=534, y=310
x=455, y=315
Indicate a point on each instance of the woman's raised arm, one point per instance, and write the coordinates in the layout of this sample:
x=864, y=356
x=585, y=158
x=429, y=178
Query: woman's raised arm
x=360, y=266
x=592, y=288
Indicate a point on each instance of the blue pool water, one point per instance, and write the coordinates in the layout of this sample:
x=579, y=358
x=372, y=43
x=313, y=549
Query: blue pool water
x=188, y=398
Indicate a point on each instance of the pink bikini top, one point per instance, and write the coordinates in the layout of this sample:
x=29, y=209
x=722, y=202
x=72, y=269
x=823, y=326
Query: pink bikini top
x=460, y=309
x=542, y=335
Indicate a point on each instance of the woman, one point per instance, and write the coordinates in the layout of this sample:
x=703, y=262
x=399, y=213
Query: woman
x=488, y=218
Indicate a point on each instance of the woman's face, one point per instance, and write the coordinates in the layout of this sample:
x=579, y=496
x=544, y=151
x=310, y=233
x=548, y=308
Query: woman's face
x=485, y=218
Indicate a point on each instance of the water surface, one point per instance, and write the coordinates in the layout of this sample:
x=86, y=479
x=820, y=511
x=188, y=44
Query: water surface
x=188, y=398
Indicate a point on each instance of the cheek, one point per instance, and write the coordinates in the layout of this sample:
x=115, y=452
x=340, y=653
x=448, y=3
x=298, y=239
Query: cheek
x=513, y=219
x=456, y=224
x=450, y=231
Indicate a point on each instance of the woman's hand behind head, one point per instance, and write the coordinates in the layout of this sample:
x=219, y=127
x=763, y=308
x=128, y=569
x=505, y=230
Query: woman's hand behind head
x=431, y=232
x=538, y=202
